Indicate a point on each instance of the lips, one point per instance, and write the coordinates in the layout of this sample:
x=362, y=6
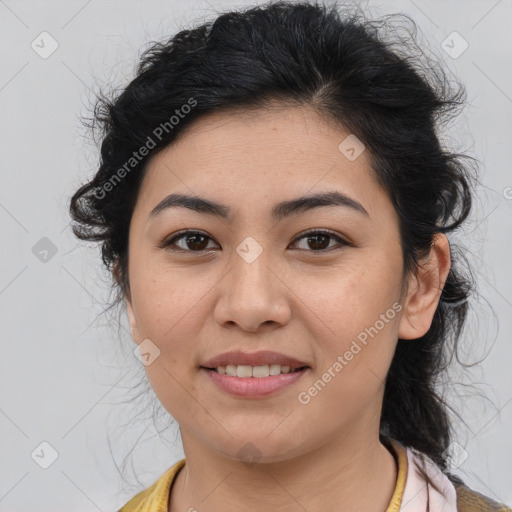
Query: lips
x=266, y=357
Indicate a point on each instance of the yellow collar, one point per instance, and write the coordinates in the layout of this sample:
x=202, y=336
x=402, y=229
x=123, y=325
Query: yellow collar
x=156, y=497
x=400, y=455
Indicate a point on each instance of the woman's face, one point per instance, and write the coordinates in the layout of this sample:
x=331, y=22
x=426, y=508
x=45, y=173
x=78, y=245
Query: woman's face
x=251, y=281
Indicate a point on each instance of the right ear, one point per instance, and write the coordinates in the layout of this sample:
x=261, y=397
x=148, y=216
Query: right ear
x=116, y=272
x=131, y=318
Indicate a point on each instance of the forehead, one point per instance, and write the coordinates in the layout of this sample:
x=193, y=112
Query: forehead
x=261, y=156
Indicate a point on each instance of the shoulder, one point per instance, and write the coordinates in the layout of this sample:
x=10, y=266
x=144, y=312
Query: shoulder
x=449, y=492
x=469, y=500
x=156, y=497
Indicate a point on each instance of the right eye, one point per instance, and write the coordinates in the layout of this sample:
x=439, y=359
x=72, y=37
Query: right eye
x=193, y=241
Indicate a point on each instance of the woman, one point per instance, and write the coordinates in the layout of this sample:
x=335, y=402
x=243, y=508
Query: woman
x=274, y=203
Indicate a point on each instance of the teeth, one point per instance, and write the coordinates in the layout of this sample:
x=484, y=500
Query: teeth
x=244, y=370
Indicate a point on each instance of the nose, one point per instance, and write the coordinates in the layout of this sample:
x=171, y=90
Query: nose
x=252, y=295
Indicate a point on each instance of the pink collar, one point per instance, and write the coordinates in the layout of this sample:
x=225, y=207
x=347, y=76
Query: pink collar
x=418, y=496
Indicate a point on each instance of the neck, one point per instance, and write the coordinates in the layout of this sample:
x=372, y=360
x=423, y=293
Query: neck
x=351, y=472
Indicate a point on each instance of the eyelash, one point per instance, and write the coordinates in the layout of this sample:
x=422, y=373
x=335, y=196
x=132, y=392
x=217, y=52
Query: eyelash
x=182, y=234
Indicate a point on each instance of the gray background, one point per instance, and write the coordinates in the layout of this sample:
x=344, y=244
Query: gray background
x=65, y=377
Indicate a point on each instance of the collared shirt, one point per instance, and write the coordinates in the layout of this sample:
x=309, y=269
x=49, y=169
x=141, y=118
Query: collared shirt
x=411, y=493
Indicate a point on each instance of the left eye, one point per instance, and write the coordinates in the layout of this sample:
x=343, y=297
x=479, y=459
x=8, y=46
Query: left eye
x=317, y=239
x=196, y=241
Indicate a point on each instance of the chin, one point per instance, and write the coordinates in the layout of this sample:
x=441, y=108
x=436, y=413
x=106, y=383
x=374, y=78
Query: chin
x=262, y=449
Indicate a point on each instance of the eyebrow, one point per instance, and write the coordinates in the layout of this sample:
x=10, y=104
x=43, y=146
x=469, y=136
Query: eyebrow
x=279, y=211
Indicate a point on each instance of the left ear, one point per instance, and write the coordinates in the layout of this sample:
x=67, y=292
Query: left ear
x=424, y=290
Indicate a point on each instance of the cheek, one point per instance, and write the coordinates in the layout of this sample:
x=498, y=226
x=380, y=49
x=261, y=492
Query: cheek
x=170, y=312
x=355, y=353
x=353, y=315
x=168, y=301
x=351, y=296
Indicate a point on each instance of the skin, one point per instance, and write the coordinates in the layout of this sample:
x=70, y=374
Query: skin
x=291, y=299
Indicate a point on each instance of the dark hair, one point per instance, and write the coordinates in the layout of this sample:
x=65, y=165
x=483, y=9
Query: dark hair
x=385, y=90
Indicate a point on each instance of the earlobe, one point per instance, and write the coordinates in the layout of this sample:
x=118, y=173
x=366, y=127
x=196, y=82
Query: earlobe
x=424, y=290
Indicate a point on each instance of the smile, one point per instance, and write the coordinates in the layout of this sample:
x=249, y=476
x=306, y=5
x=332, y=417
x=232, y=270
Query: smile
x=253, y=381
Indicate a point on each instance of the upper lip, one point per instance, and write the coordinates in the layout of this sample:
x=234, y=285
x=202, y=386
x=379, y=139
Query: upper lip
x=238, y=357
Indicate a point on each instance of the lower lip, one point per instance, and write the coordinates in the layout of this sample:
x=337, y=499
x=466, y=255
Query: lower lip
x=252, y=387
